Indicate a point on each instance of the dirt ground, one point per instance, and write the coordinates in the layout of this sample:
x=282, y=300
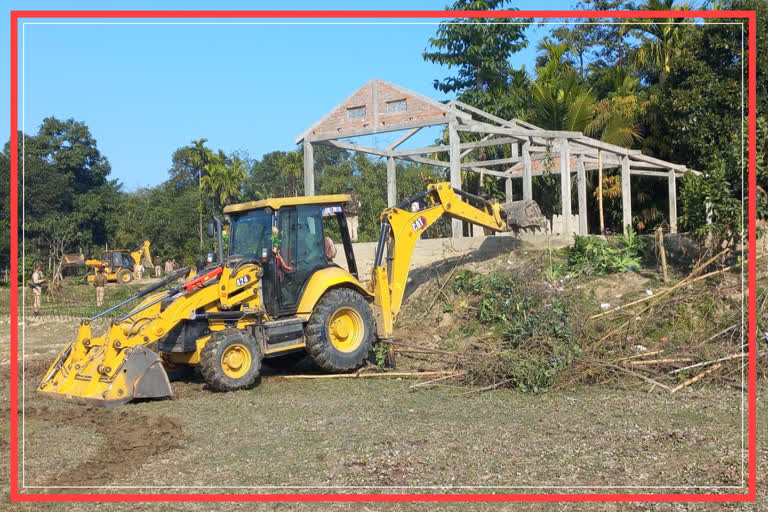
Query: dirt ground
x=379, y=436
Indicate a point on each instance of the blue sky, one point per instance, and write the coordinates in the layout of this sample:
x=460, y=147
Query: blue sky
x=146, y=89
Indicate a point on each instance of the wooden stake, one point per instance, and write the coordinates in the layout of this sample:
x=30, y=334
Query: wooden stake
x=662, y=252
x=695, y=379
x=600, y=189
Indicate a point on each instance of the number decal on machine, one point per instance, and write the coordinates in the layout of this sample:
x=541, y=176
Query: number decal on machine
x=419, y=223
x=242, y=280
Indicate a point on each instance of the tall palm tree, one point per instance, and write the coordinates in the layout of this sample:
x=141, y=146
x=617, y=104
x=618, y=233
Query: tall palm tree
x=224, y=179
x=617, y=117
x=661, y=38
x=560, y=100
x=201, y=158
x=231, y=180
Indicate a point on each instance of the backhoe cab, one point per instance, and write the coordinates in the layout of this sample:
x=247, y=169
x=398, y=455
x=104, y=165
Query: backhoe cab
x=275, y=293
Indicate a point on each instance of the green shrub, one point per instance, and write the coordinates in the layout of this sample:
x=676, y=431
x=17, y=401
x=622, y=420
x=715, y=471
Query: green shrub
x=531, y=323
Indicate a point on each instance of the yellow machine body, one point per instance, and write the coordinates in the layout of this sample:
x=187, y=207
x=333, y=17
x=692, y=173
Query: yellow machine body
x=118, y=264
x=229, y=316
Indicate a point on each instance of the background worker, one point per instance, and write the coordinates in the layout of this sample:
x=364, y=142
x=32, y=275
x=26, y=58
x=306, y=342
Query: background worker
x=158, y=263
x=352, y=210
x=99, y=281
x=37, y=287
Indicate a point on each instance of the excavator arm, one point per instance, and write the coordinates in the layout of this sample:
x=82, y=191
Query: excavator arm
x=142, y=255
x=401, y=228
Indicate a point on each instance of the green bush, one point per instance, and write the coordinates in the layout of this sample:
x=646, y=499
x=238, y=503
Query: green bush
x=594, y=255
x=532, y=324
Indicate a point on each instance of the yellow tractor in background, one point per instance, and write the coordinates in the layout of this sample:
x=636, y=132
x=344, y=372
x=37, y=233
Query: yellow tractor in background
x=118, y=264
x=275, y=293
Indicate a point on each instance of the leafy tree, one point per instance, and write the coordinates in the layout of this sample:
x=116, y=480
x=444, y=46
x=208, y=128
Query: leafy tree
x=67, y=196
x=479, y=49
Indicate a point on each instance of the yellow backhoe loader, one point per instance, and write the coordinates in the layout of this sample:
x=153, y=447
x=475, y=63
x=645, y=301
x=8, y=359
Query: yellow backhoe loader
x=275, y=293
x=118, y=264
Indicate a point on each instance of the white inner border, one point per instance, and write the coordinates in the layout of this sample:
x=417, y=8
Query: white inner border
x=23, y=292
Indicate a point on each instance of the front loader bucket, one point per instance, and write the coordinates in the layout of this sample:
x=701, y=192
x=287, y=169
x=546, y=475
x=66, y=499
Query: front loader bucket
x=103, y=371
x=523, y=214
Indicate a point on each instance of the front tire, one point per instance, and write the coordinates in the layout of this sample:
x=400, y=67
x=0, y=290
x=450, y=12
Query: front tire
x=124, y=276
x=231, y=360
x=341, y=331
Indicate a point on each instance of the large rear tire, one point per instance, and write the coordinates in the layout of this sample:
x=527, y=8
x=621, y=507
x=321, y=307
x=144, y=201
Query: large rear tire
x=341, y=331
x=231, y=360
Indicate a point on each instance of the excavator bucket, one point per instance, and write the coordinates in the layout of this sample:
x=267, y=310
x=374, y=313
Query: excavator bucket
x=105, y=370
x=523, y=214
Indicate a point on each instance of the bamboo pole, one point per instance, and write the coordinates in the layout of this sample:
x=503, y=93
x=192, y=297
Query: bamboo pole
x=707, y=363
x=661, y=361
x=636, y=356
x=695, y=379
x=439, y=379
x=369, y=375
x=688, y=280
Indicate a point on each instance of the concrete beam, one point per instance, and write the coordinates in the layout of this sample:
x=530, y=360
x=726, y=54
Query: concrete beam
x=672, y=185
x=309, y=169
x=371, y=130
x=404, y=137
x=355, y=147
x=565, y=186
x=391, y=182
x=626, y=195
x=582, y=195
x=455, y=167
x=527, y=180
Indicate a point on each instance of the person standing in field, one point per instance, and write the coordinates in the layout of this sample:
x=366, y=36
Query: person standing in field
x=168, y=266
x=352, y=210
x=37, y=287
x=100, y=281
x=158, y=262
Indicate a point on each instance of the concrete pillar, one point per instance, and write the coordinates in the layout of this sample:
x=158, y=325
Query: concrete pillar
x=626, y=196
x=391, y=182
x=582, y=191
x=455, y=171
x=565, y=186
x=508, y=189
x=671, y=180
x=309, y=169
x=527, y=179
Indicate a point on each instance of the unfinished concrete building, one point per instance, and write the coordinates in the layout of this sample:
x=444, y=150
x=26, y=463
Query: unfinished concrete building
x=383, y=107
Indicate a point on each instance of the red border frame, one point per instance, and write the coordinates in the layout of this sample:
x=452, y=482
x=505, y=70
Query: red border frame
x=752, y=324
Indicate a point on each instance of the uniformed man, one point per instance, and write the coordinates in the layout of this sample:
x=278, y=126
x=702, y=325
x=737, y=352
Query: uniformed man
x=100, y=281
x=37, y=287
x=352, y=210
